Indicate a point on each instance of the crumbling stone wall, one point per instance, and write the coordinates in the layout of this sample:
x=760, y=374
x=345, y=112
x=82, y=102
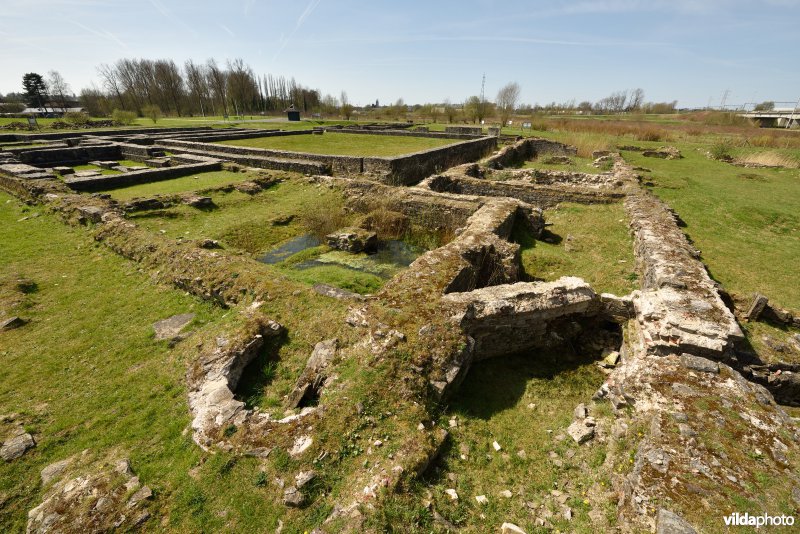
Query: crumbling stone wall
x=71, y=155
x=401, y=170
x=525, y=149
x=545, y=196
x=506, y=319
x=337, y=164
x=415, y=133
x=411, y=168
x=113, y=181
x=679, y=307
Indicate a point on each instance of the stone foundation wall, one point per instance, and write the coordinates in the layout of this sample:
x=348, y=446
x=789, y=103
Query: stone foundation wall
x=544, y=196
x=50, y=157
x=401, y=170
x=337, y=164
x=400, y=133
x=410, y=169
x=495, y=316
x=526, y=149
x=113, y=181
x=222, y=135
x=464, y=130
x=98, y=133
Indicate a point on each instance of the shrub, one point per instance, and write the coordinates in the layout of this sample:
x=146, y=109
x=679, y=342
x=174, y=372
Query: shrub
x=152, y=112
x=123, y=118
x=721, y=150
x=650, y=134
x=324, y=220
x=587, y=144
x=77, y=118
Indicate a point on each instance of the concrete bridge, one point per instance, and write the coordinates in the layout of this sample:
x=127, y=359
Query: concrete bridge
x=780, y=118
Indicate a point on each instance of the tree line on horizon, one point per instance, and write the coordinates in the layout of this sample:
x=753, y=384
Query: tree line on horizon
x=214, y=89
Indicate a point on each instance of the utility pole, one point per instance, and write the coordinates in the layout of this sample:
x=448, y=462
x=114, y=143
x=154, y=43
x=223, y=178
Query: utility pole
x=724, y=98
x=483, y=99
x=791, y=117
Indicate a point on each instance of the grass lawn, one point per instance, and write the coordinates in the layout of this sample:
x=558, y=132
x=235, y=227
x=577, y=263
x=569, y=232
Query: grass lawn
x=344, y=144
x=588, y=241
x=524, y=403
x=245, y=222
x=179, y=185
x=745, y=221
x=86, y=373
x=578, y=164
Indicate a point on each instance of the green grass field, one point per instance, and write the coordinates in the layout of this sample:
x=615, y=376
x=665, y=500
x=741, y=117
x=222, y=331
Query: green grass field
x=523, y=402
x=86, y=373
x=588, y=241
x=578, y=164
x=184, y=184
x=245, y=222
x=746, y=222
x=344, y=144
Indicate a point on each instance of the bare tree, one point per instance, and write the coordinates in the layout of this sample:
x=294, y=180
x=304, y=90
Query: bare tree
x=129, y=81
x=450, y=111
x=242, y=87
x=197, y=83
x=111, y=82
x=170, y=84
x=346, y=107
x=636, y=99
x=507, y=99
x=94, y=102
x=59, y=89
x=218, y=81
x=329, y=105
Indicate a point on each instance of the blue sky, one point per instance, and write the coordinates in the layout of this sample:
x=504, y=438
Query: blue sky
x=427, y=51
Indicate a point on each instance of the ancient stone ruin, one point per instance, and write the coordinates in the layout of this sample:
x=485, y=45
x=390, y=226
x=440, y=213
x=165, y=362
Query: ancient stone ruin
x=674, y=349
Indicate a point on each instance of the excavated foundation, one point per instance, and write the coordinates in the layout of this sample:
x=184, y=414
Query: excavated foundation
x=679, y=399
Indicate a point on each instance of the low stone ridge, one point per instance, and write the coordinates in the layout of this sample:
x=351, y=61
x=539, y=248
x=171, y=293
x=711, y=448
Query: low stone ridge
x=664, y=152
x=545, y=195
x=679, y=307
x=213, y=378
x=105, y=496
x=198, y=201
x=11, y=323
x=493, y=316
x=336, y=293
x=353, y=239
x=54, y=470
x=313, y=377
x=558, y=160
